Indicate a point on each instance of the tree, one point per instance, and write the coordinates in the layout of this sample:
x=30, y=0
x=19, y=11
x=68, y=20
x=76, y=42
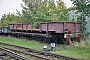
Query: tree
x=37, y=11
x=29, y=9
x=62, y=11
x=9, y=19
x=83, y=10
x=72, y=14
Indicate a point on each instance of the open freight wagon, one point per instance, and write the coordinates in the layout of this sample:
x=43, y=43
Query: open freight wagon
x=53, y=31
x=62, y=30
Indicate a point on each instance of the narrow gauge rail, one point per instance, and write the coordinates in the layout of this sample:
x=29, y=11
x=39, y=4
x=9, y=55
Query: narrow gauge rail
x=30, y=54
x=2, y=55
x=52, y=55
x=13, y=54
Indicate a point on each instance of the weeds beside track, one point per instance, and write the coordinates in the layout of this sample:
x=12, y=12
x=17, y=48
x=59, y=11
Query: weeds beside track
x=37, y=53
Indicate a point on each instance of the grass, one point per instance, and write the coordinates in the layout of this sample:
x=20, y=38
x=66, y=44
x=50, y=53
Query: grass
x=79, y=50
x=21, y=42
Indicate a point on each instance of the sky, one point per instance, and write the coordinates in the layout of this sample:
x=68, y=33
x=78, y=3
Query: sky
x=68, y=3
x=11, y=6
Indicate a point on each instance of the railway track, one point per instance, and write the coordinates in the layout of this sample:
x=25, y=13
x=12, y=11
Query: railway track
x=44, y=55
x=11, y=54
x=30, y=54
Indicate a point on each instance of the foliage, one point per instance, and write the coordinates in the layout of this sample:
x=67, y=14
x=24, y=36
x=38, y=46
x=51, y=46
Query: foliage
x=83, y=10
x=80, y=50
x=8, y=19
x=72, y=14
x=37, y=11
